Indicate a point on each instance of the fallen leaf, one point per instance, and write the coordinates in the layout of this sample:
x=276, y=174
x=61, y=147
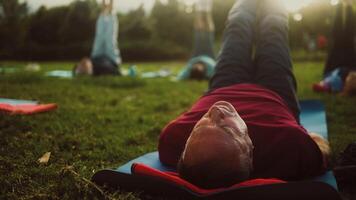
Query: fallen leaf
x=45, y=158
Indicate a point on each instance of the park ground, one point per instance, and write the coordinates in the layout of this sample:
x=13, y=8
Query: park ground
x=105, y=122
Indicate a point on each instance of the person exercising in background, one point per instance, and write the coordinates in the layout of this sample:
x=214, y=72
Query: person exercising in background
x=247, y=126
x=105, y=56
x=201, y=65
x=340, y=69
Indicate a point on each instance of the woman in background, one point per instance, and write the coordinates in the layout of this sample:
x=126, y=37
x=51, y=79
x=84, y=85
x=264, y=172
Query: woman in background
x=201, y=65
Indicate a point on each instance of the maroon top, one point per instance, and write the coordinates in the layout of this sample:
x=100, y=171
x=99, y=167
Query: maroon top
x=283, y=148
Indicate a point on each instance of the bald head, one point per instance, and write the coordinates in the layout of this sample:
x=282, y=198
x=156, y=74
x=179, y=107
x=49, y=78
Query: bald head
x=213, y=160
x=207, y=145
x=218, y=152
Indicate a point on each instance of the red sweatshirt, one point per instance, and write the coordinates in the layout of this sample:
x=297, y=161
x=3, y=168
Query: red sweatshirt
x=283, y=148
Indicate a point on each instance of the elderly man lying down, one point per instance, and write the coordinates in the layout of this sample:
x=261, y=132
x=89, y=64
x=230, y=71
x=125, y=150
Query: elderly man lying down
x=247, y=125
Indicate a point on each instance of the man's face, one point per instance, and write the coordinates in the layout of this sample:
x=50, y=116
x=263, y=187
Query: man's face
x=221, y=132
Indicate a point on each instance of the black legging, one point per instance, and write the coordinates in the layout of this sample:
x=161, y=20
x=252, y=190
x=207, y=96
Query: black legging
x=203, y=35
x=271, y=66
x=342, y=51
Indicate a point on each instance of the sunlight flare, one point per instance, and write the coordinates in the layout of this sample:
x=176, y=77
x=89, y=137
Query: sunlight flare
x=296, y=5
x=189, y=2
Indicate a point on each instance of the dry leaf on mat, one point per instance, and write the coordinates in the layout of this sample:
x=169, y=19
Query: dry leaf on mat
x=45, y=158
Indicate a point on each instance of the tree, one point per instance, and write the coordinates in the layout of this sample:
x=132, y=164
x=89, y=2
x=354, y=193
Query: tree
x=135, y=25
x=67, y=32
x=12, y=26
x=220, y=12
x=172, y=23
x=12, y=10
x=316, y=20
x=79, y=23
x=45, y=24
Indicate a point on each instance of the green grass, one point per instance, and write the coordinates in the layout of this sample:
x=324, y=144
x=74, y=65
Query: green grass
x=104, y=122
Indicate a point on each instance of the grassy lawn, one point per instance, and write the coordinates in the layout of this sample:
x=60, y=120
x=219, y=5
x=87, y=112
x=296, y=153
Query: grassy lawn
x=105, y=122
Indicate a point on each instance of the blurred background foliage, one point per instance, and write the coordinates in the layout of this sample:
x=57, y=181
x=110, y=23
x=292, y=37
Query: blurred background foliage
x=67, y=32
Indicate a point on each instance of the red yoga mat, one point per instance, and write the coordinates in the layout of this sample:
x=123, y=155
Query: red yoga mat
x=26, y=109
x=173, y=178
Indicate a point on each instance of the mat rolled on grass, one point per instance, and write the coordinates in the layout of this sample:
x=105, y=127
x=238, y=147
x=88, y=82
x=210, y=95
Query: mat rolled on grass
x=24, y=107
x=147, y=174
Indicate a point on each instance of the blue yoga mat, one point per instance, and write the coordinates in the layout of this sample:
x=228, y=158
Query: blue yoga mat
x=60, y=74
x=313, y=118
x=17, y=102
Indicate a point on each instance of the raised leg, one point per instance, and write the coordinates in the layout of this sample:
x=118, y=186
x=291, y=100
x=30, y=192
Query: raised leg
x=273, y=63
x=204, y=34
x=111, y=40
x=342, y=51
x=99, y=40
x=349, y=34
x=105, y=42
x=234, y=64
x=335, y=56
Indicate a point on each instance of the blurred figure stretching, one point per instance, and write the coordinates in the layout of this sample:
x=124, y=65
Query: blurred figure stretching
x=201, y=65
x=105, y=56
x=341, y=61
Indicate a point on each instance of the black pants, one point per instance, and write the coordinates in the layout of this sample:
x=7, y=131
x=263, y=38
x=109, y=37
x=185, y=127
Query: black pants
x=102, y=65
x=203, y=44
x=271, y=67
x=342, y=51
